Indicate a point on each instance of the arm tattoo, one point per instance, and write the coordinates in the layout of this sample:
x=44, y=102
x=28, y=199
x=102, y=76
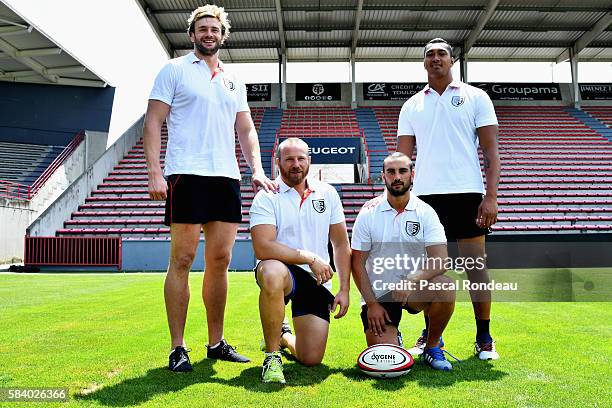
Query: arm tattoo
x=486, y=161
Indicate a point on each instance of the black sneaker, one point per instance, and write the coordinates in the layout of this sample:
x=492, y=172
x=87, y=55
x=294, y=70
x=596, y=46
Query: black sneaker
x=225, y=352
x=179, y=360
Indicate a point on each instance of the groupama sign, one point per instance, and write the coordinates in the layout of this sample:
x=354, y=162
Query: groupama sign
x=519, y=91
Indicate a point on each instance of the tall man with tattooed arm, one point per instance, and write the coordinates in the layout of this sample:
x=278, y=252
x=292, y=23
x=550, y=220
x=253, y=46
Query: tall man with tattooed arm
x=447, y=121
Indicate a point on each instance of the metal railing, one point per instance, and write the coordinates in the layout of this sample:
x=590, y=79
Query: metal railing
x=59, y=160
x=73, y=251
x=15, y=191
x=12, y=190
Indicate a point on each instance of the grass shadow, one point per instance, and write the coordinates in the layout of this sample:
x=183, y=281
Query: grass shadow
x=382, y=384
x=158, y=381
x=471, y=369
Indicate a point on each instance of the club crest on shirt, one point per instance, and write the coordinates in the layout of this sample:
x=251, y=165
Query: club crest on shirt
x=412, y=228
x=319, y=205
x=229, y=84
x=457, y=100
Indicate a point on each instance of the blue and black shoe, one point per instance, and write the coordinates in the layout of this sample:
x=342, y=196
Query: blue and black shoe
x=434, y=357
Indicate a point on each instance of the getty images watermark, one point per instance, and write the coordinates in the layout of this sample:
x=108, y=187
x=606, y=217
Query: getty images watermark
x=397, y=273
x=510, y=271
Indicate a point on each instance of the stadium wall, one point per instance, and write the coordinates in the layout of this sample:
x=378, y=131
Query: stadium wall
x=152, y=255
x=345, y=100
x=503, y=252
x=15, y=216
x=52, y=114
x=54, y=216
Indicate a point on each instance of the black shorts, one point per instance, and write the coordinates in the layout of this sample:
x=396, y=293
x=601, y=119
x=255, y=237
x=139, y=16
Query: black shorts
x=306, y=296
x=195, y=199
x=457, y=213
x=394, y=310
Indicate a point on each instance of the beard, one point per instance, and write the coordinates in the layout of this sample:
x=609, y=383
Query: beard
x=293, y=179
x=207, y=51
x=397, y=193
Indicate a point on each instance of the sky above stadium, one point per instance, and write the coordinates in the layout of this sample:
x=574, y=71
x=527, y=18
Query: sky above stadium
x=115, y=41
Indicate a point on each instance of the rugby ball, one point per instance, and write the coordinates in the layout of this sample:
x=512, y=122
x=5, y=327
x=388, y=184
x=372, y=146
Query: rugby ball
x=385, y=361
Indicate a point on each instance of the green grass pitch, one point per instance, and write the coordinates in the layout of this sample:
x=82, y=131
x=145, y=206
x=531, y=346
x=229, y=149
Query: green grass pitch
x=105, y=337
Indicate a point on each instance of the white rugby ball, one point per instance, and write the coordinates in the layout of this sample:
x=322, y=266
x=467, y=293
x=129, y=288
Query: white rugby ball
x=385, y=361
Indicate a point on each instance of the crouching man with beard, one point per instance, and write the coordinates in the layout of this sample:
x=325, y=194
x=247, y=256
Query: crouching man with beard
x=398, y=225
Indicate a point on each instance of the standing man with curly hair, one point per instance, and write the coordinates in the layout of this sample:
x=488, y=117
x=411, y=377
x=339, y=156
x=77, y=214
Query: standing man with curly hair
x=202, y=106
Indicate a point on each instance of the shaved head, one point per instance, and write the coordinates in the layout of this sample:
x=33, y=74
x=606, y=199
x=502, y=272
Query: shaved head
x=292, y=141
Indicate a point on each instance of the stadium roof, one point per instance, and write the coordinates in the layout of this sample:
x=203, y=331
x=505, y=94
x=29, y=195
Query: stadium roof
x=28, y=55
x=383, y=30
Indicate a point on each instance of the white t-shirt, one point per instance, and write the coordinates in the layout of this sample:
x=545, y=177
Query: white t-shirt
x=202, y=116
x=387, y=234
x=300, y=223
x=447, y=143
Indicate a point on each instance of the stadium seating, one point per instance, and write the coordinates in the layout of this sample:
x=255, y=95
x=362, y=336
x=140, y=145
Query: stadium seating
x=319, y=122
x=23, y=163
x=602, y=113
x=387, y=118
x=120, y=206
x=555, y=169
x=556, y=177
x=377, y=147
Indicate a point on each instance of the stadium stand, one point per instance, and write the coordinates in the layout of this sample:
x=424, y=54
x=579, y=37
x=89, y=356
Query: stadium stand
x=319, y=122
x=556, y=170
x=591, y=121
x=120, y=206
x=602, y=113
x=557, y=175
x=376, y=143
x=387, y=118
x=23, y=163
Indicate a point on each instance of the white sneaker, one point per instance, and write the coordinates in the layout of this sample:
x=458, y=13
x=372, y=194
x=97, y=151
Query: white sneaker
x=419, y=346
x=486, y=351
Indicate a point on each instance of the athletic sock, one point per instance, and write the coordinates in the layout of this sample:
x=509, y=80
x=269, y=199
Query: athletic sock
x=215, y=346
x=482, y=331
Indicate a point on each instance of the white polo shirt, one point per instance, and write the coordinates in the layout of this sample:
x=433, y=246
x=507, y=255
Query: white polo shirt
x=301, y=222
x=447, y=143
x=202, y=116
x=387, y=233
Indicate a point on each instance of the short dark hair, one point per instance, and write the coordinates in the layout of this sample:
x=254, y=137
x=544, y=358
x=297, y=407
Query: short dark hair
x=396, y=155
x=439, y=40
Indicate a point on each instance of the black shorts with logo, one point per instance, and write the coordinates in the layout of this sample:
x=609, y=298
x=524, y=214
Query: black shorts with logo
x=195, y=199
x=306, y=296
x=457, y=213
x=394, y=310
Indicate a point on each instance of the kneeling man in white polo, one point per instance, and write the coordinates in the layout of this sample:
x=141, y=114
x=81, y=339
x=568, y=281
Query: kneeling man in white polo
x=290, y=231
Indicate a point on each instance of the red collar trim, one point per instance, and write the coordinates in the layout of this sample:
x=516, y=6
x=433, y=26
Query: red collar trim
x=307, y=192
